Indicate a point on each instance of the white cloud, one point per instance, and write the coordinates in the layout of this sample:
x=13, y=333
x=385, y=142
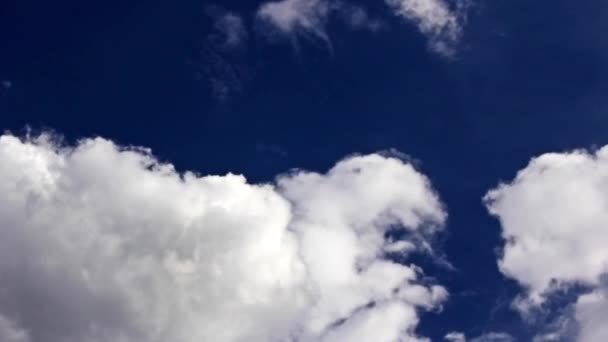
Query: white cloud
x=455, y=337
x=441, y=23
x=494, y=337
x=104, y=243
x=435, y=19
x=487, y=337
x=591, y=312
x=554, y=217
x=378, y=325
x=297, y=16
x=310, y=17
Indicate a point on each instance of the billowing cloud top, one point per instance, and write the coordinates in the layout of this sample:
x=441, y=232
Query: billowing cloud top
x=554, y=217
x=104, y=243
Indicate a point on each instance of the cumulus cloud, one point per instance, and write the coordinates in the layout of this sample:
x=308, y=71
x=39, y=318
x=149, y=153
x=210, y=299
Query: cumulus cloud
x=554, y=216
x=104, y=243
x=438, y=21
x=294, y=18
x=591, y=313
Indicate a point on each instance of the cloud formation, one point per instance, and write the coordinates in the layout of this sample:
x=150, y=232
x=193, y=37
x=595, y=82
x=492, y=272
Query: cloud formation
x=293, y=18
x=223, y=53
x=289, y=16
x=494, y=337
x=487, y=337
x=554, y=216
x=591, y=312
x=455, y=337
x=440, y=23
x=104, y=243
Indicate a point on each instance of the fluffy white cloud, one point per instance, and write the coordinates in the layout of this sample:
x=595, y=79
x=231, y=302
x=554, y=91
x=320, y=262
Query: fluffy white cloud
x=554, y=219
x=104, y=243
x=435, y=19
x=591, y=312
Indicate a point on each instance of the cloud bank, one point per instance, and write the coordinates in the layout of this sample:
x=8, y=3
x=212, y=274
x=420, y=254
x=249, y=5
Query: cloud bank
x=105, y=243
x=554, y=216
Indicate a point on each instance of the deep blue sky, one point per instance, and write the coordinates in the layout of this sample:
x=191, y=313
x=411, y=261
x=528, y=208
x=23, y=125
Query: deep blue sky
x=528, y=77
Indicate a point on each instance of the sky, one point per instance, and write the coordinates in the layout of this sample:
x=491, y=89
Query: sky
x=303, y=170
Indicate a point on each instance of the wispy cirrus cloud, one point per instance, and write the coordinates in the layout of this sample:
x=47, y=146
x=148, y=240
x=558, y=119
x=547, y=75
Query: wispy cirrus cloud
x=486, y=337
x=294, y=18
x=222, y=54
x=441, y=23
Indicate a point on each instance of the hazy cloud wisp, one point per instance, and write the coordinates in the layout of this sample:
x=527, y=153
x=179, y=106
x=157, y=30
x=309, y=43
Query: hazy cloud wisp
x=435, y=19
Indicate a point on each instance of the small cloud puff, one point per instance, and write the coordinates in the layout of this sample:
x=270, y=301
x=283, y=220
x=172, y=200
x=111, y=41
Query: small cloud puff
x=455, y=337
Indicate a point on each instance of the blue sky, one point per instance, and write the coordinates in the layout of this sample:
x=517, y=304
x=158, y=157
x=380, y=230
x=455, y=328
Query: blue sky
x=466, y=91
